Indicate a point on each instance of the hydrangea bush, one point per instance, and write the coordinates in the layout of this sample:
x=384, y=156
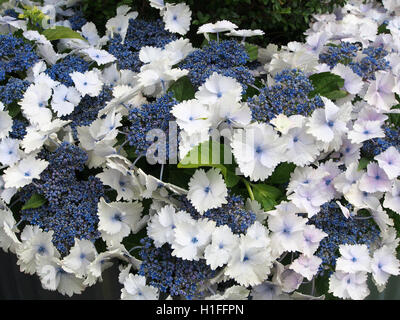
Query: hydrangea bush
x=228, y=171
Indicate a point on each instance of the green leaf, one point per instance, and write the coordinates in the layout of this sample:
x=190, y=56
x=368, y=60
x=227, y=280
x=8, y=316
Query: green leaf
x=334, y=95
x=60, y=32
x=266, y=191
x=252, y=51
x=282, y=173
x=231, y=179
x=383, y=29
x=34, y=202
x=13, y=110
x=182, y=89
x=363, y=163
x=266, y=195
x=328, y=85
x=268, y=204
x=210, y=154
x=394, y=118
x=285, y=11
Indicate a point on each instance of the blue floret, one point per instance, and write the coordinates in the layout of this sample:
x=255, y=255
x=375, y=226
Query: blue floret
x=71, y=207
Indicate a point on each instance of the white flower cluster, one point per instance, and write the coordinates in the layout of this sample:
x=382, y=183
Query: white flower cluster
x=281, y=239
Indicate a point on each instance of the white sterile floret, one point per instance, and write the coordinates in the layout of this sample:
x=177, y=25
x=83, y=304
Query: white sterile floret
x=218, y=86
x=5, y=122
x=383, y=264
x=135, y=288
x=24, y=171
x=345, y=180
x=368, y=113
x=149, y=54
x=391, y=5
x=312, y=237
x=159, y=73
x=219, y=26
x=381, y=218
x=98, y=138
x=89, y=32
x=306, y=266
x=310, y=197
x=301, y=147
x=192, y=116
x=365, y=130
x=284, y=207
x=100, y=56
x=286, y=232
x=288, y=279
x=375, y=179
x=304, y=176
x=54, y=277
x=178, y=50
x=9, y=151
x=161, y=227
x=255, y=207
x=101, y=263
x=257, y=150
x=326, y=186
x=37, y=135
x=223, y=243
x=392, y=198
x=345, y=210
x=389, y=239
x=158, y=4
x=245, y=33
x=118, y=219
x=353, y=258
x=177, y=18
x=352, y=82
x=249, y=265
x=301, y=58
x=191, y=237
x=389, y=161
x=349, y=285
x=65, y=99
x=283, y=123
x=10, y=24
x=8, y=240
x=380, y=92
x=35, y=243
x=34, y=103
x=232, y=293
x=350, y=152
x=227, y=110
x=258, y=234
x=361, y=199
x=120, y=23
x=123, y=184
x=329, y=124
x=80, y=256
x=207, y=190
x=34, y=35
x=268, y=291
x=88, y=83
x=47, y=52
x=111, y=75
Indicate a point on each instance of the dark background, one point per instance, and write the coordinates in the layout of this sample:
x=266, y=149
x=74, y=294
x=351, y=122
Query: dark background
x=16, y=285
x=281, y=20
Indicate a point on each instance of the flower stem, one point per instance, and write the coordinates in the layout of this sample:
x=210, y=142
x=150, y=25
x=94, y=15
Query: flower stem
x=248, y=189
